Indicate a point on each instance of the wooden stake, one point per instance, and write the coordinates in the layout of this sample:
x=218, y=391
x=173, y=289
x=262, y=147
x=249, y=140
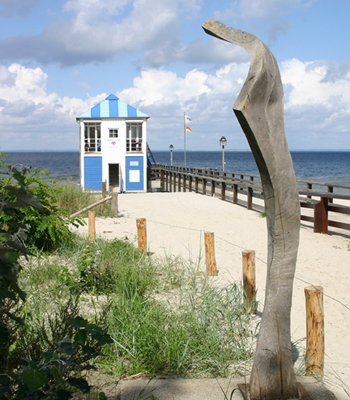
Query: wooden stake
x=104, y=189
x=142, y=234
x=249, y=280
x=314, y=330
x=210, y=254
x=90, y=206
x=114, y=204
x=92, y=226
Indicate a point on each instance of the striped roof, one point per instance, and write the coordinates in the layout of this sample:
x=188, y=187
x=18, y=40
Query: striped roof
x=112, y=107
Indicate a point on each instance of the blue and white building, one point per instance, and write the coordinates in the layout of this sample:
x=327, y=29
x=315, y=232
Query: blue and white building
x=113, y=147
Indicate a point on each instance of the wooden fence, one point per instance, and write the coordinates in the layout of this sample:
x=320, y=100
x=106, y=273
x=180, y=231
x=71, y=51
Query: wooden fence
x=246, y=190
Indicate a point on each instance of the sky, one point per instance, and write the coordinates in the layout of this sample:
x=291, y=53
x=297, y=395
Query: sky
x=59, y=58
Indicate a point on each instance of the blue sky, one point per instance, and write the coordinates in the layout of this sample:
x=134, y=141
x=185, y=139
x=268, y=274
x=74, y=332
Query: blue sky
x=59, y=58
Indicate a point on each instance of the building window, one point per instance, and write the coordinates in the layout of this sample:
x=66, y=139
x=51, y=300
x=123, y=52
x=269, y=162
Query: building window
x=133, y=137
x=113, y=133
x=92, y=137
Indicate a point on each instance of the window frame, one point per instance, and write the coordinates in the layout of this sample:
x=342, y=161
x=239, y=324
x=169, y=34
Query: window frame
x=134, y=137
x=92, y=137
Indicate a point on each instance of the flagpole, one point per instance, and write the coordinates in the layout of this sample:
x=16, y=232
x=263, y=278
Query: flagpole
x=185, y=139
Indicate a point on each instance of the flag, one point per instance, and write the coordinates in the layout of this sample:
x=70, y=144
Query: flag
x=188, y=129
x=187, y=118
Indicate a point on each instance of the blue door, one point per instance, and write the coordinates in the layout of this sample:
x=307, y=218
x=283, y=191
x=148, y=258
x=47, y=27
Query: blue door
x=92, y=173
x=134, y=173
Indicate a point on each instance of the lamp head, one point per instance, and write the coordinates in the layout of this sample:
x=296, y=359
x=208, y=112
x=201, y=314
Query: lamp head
x=223, y=140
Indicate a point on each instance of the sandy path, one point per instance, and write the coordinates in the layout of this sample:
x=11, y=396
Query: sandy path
x=176, y=223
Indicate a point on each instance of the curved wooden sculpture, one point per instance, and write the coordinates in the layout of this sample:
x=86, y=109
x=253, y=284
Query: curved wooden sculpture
x=259, y=110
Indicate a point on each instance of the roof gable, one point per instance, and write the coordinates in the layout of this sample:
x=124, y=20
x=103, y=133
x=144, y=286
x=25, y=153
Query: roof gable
x=112, y=107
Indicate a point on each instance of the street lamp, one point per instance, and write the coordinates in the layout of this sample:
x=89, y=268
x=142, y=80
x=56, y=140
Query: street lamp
x=171, y=154
x=223, y=141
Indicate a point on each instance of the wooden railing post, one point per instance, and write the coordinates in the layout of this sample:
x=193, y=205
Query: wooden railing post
x=314, y=330
x=184, y=182
x=170, y=182
x=92, y=226
x=162, y=183
x=235, y=194
x=212, y=184
x=321, y=216
x=223, y=187
x=249, y=280
x=190, y=183
x=249, y=198
x=330, y=190
x=142, y=234
x=196, y=184
x=309, y=187
x=210, y=254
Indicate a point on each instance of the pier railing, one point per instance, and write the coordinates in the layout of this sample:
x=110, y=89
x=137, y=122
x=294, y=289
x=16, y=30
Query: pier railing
x=324, y=205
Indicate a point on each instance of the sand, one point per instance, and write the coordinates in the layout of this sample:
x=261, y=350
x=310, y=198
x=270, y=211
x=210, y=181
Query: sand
x=176, y=223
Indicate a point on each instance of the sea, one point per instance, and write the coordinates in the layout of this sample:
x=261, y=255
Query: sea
x=329, y=167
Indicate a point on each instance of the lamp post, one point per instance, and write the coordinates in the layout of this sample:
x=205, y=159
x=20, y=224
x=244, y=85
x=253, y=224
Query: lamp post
x=223, y=141
x=171, y=154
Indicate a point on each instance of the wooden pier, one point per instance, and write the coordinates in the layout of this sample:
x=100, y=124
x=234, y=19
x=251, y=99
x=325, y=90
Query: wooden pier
x=322, y=204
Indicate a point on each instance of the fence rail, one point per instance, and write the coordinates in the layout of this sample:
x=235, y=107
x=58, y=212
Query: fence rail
x=246, y=189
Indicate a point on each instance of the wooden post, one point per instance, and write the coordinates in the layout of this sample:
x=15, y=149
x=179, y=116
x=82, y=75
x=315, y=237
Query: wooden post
x=204, y=186
x=321, y=216
x=92, y=226
x=104, y=189
x=235, y=194
x=212, y=188
x=114, y=204
x=184, y=182
x=142, y=234
x=223, y=190
x=210, y=253
x=314, y=330
x=90, y=206
x=162, y=185
x=249, y=281
x=249, y=198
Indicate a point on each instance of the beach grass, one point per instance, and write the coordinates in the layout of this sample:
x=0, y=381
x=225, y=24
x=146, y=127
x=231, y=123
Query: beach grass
x=164, y=316
x=72, y=198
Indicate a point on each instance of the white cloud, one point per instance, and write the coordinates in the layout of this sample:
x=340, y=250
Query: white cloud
x=96, y=30
x=32, y=118
x=307, y=85
x=317, y=108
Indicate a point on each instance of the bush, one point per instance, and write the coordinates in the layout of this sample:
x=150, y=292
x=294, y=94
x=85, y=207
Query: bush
x=47, y=227
x=44, y=374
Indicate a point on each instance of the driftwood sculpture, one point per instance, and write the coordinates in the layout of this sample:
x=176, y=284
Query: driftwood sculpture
x=259, y=110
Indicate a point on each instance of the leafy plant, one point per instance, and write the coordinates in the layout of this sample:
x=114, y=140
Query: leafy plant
x=47, y=227
x=57, y=373
x=52, y=374
x=14, y=198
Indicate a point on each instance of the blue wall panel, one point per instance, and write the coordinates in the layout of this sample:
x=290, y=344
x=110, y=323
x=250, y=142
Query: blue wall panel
x=93, y=173
x=134, y=173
